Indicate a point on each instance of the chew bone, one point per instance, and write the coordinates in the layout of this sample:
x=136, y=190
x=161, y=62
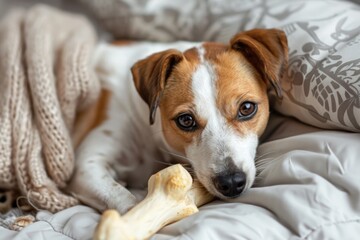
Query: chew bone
x=172, y=195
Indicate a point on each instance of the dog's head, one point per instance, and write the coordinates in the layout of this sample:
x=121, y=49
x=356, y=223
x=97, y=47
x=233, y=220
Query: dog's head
x=214, y=104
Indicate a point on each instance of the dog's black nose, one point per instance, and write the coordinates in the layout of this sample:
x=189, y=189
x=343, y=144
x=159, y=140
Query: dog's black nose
x=230, y=185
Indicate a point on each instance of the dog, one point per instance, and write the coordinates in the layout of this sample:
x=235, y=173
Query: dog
x=203, y=104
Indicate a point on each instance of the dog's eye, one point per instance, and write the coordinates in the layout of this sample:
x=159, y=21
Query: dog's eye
x=186, y=122
x=247, y=110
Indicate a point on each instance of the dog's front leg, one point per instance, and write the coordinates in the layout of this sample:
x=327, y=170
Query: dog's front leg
x=94, y=179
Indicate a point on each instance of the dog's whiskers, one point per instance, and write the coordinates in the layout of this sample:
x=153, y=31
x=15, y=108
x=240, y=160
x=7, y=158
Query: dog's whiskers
x=187, y=166
x=257, y=157
x=171, y=153
x=163, y=162
x=263, y=161
x=260, y=169
x=176, y=155
x=258, y=180
x=261, y=164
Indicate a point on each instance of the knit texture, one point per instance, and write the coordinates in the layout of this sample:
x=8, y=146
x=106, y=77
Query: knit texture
x=45, y=78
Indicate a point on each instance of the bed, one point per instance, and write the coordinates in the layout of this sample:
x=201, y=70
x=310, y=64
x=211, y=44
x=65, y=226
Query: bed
x=308, y=162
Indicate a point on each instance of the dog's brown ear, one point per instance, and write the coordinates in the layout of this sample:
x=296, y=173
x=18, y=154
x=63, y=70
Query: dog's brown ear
x=267, y=51
x=150, y=76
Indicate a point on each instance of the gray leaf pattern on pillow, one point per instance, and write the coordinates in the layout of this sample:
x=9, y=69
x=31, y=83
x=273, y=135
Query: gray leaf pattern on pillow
x=322, y=87
x=330, y=85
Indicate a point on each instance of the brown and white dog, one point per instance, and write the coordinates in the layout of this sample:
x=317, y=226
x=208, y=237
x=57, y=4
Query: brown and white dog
x=207, y=104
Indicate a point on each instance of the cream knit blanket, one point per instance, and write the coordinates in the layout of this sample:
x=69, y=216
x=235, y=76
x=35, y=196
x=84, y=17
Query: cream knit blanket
x=45, y=79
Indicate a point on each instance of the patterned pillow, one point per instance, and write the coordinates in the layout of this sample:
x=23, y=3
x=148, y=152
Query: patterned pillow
x=322, y=87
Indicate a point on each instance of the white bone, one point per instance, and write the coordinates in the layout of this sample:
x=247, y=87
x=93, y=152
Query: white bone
x=172, y=195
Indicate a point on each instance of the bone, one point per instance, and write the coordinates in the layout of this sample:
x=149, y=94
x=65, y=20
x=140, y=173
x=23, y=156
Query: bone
x=172, y=195
x=22, y=222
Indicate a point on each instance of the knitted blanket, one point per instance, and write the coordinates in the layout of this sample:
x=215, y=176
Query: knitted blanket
x=45, y=79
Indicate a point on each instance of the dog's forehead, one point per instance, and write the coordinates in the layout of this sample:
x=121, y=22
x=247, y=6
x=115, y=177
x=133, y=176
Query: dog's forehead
x=196, y=79
x=212, y=74
x=207, y=51
x=203, y=82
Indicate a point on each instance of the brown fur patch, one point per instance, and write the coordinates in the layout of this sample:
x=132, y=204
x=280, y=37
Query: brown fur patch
x=213, y=50
x=122, y=42
x=178, y=98
x=150, y=76
x=192, y=56
x=91, y=117
x=238, y=82
x=267, y=50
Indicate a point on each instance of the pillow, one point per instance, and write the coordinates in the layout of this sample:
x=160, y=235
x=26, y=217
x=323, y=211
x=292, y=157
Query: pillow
x=322, y=85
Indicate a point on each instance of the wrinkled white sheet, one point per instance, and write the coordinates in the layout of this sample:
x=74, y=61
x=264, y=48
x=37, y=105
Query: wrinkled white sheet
x=308, y=188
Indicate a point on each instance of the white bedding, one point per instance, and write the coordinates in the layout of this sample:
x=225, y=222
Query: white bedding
x=308, y=189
